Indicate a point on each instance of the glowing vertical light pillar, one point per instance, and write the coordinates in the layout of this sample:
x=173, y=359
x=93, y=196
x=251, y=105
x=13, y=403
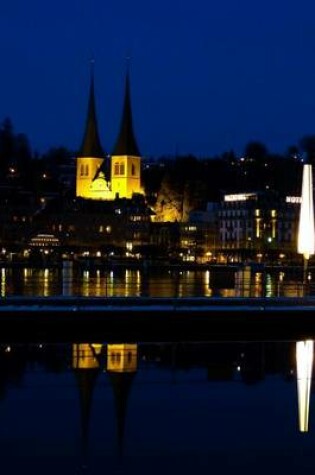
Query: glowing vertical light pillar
x=306, y=235
x=304, y=366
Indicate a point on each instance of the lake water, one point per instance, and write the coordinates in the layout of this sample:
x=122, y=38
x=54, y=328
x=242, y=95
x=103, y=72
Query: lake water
x=155, y=283
x=157, y=408
x=139, y=408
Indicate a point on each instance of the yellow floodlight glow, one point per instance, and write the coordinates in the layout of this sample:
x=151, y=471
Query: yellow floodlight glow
x=304, y=366
x=306, y=235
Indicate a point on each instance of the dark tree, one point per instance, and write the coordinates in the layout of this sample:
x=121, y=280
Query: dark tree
x=7, y=146
x=256, y=151
x=307, y=145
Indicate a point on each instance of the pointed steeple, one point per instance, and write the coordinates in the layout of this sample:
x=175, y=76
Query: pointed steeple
x=91, y=144
x=126, y=143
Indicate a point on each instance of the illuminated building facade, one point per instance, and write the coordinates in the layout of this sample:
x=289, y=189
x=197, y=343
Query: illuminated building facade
x=97, y=227
x=92, y=180
x=258, y=223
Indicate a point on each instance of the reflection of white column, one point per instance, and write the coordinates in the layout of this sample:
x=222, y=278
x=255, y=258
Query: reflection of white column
x=304, y=366
x=306, y=235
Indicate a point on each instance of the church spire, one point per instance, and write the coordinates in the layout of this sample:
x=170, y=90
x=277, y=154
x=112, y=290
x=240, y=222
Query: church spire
x=126, y=143
x=91, y=144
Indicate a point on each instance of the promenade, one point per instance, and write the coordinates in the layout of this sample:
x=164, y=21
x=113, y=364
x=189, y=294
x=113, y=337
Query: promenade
x=155, y=319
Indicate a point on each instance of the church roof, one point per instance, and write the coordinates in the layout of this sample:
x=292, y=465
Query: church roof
x=91, y=144
x=126, y=143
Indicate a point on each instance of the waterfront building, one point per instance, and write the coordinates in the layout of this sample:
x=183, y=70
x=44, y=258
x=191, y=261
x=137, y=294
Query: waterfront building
x=97, y=228
x=258, y=225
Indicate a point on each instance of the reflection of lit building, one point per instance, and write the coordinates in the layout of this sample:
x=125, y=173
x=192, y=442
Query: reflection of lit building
x=85, y=355
x=122, y=358
x=85, y=363
x=122, y=361
x=304, y=367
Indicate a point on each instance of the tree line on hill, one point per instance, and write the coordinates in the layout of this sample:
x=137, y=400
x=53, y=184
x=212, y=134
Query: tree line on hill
x=173, y=185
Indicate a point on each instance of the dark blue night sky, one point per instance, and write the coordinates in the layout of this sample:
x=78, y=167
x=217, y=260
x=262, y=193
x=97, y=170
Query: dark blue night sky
x=206, y=76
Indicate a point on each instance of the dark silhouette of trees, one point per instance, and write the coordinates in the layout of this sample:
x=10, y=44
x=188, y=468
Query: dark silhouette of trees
x=174, y=185
x=15, y=154
x=256, y=151
x=307, y=145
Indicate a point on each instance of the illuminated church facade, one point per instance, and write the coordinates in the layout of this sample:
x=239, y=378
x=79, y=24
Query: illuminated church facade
x=99, y=177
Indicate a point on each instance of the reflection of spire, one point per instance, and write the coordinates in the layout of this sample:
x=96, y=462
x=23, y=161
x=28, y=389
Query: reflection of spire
x=86, y=366
x=121, y=366
x=304, y=366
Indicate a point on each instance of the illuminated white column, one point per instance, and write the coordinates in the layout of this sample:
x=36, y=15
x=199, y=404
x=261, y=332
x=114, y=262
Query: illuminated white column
x=304, y=366
x=306, y=235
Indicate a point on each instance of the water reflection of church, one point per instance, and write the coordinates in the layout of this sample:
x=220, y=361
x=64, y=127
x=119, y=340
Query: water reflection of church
x=120, y=361
x=244, y=362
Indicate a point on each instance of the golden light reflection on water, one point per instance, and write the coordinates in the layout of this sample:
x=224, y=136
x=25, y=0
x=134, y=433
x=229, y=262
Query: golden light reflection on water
x=98, y=284
x=27, y=274
x=86, y=283
x=227, y=293
x=156, y=283
x=46, y=282
x=3, y=282
x=85, y=355
x=258, y=285
x=206, y=284
x=268, y=286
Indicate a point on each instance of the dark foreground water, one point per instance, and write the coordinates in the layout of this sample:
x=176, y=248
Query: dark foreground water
x=157, y=408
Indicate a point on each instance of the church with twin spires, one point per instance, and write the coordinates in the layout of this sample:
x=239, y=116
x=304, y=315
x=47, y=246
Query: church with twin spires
x=99, y=177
